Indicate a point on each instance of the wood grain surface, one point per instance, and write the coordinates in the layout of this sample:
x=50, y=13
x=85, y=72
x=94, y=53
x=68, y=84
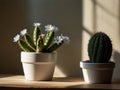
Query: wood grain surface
x=18, y=81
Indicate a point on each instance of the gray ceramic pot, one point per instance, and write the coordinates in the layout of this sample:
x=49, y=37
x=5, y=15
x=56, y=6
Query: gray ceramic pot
x=97, y=72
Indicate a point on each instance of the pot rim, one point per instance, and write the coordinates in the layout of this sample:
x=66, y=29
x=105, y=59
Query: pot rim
x=34, y=57
x=39, y=52
x=87, y=64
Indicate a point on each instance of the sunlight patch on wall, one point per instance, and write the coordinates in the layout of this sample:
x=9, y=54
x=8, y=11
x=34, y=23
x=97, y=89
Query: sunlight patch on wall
x=59, y=73
x=99, y=15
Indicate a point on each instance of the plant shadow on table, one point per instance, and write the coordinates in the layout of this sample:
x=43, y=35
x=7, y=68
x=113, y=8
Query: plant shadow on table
x=68, y=79
x=90, y=87
x=7, y=75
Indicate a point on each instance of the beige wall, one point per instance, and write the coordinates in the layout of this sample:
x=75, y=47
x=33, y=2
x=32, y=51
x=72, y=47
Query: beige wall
x=18, y=14
x=67, y=15
x=13, y=17
x=78, y=19
x=102, y=15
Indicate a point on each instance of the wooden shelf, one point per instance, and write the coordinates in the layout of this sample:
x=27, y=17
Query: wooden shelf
x=19, y=82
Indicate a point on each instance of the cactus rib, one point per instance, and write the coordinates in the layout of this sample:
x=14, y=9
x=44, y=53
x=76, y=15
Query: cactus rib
x=40, y=45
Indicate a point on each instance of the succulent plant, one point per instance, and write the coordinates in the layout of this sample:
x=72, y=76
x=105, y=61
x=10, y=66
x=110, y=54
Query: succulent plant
x=40, y=42
x=99, y=48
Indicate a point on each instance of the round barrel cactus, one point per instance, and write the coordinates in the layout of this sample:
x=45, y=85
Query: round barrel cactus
x=99, y=48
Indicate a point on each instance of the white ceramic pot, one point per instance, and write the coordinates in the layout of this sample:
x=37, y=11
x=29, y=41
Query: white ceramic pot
x=38, y=66
x=97, y=72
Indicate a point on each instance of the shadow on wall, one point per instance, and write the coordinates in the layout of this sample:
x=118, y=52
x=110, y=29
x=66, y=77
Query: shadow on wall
x=116, y=58
x=13, y=18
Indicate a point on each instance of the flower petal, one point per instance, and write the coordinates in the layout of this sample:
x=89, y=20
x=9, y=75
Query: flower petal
x=61, y=38
x=16, y=38
x=58, y=40
x=36, y=24
x=50, y=28
x=66, y=39
x=23, y=32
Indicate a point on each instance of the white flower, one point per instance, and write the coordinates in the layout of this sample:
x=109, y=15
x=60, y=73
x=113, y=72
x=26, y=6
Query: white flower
x=16, y=38
x=50, y=28
x=23, y=32
x=60, y=39
x=66, y=38
x=36, y=24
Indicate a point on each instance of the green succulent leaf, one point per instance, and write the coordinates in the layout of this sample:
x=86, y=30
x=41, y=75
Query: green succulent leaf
x=24, y=46
x=29, y=41
x=36, y=34
x=48, y=39
x=40, y=44
x=54, y=47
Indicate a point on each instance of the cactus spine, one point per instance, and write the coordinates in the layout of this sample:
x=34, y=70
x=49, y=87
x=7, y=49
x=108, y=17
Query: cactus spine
x=99, y=48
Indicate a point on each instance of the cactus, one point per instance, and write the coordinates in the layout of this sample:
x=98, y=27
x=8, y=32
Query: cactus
x=40, y=43
x=99, y=48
